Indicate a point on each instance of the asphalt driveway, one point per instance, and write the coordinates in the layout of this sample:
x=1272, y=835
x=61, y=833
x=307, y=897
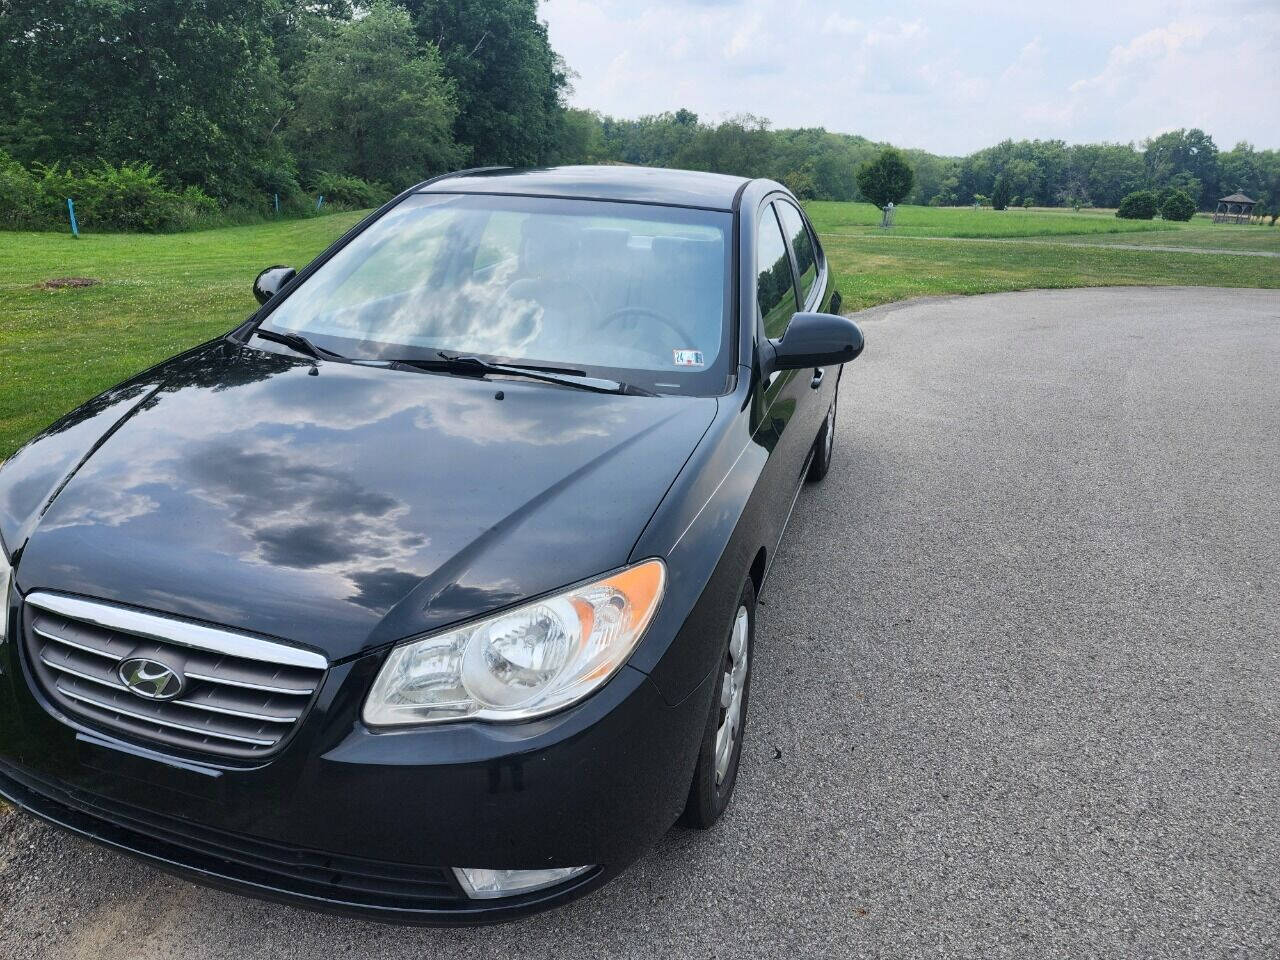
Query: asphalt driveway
x=1017, y=689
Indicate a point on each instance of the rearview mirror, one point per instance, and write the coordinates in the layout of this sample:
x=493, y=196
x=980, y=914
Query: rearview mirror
x=813, y=340
x=270, y=281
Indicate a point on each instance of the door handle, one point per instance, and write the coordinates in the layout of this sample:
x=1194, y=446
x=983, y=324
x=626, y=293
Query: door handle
x=818, y=374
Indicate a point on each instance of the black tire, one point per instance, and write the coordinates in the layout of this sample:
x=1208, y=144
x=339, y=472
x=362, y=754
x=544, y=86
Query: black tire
x=708, y=799
x=820, y=462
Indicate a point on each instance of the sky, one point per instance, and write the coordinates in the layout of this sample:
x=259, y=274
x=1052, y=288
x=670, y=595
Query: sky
x=947, y=77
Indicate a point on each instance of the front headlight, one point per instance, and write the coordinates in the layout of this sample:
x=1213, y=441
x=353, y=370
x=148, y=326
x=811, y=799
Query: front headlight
x=526, y=662
x=6, y=576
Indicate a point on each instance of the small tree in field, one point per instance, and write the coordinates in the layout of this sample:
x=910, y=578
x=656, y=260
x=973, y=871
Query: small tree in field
x=1000, y=193
x=1139, y=205
x=886, y=179
x=1178, y=206
x=1027, y=203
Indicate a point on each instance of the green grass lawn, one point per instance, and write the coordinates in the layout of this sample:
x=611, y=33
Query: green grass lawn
x=877, y=270
x=1202, y=234
x=161, y=294
x=158, y=295
x=832, y=217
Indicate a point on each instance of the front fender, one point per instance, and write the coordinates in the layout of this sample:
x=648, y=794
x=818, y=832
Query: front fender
x=708, y=530
x=33, y=477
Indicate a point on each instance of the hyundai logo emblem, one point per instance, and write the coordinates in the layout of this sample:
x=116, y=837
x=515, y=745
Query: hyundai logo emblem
x=151, y=679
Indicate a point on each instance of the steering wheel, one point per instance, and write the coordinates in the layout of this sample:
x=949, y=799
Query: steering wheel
x=616, y=317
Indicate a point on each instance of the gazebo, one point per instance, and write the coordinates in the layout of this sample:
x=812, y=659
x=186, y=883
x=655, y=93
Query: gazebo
x=1236, y=208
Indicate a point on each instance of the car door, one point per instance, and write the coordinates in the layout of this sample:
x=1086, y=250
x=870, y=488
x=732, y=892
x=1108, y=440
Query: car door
x=785, y=392
x=811, y=282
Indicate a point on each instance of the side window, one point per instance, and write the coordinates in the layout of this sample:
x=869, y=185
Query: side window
x=775, y=288
x=802, y=245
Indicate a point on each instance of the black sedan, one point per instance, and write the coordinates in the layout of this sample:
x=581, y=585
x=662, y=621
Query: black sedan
x=428, y=593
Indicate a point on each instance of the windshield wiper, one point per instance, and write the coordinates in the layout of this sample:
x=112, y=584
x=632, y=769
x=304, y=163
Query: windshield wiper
x=565, y=376
x=296, y=341
x=485, y=365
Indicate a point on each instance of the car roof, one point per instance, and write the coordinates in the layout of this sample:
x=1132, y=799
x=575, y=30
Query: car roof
x=685, y=188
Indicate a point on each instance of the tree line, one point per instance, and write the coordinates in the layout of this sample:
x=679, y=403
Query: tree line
x=188, y=106
x=817, y=164
x=256, y=102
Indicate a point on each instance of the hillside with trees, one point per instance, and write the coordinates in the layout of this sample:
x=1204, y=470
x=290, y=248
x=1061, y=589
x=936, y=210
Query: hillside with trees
x=233, y=106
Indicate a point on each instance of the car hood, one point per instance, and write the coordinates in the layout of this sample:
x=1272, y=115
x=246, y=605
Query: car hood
x=342, y=507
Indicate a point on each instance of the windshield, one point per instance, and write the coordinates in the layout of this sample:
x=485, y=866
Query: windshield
x=627, y=291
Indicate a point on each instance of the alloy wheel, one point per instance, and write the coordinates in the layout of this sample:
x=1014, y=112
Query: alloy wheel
x=732, y=687
x=829, y=437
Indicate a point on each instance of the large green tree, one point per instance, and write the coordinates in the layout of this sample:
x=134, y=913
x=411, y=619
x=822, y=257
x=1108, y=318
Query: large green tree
x=1101, y=174
x=582, y=139
x=1184, y=159
x=298, y=24
x=652, y=139
x=886, y=179
x=190, y=86
x=510, y=83
x=741, y=145
x=372, y=101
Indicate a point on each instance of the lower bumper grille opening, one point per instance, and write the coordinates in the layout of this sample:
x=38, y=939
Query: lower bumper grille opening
x=238, y=859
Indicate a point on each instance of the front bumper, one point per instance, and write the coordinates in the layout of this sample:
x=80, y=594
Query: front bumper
x=348, y=820
x=391, y=892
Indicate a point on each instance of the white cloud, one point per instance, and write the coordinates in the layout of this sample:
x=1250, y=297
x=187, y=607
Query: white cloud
x=845, y=26
x=936, y=75
x=1028, y=65
x=1139, y=55
x=747, y=38
x=890, y=31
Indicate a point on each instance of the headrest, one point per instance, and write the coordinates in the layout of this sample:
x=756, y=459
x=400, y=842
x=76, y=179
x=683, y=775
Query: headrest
x=605, y=241
x=680, y=251
x=548, y=244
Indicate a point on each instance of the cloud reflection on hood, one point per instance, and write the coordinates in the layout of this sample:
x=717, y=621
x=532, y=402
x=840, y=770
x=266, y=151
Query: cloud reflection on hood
x=250, y=493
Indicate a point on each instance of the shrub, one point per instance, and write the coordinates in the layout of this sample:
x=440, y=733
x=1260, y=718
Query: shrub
x=349, y=191
x=55, y=184
x=19, y=194
x=131, y=196
x=128, y=197
x=1027, y=203
x=1178, y=206
x=1139, y=205
x=1000, y=193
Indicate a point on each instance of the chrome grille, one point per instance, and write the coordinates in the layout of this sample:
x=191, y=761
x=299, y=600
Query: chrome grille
x=243, y=696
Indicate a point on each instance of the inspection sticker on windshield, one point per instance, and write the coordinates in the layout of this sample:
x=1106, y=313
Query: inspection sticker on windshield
x=688, y=358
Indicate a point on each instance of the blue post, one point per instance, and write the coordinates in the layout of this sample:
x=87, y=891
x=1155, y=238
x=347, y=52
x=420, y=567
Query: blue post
x=277, y=204
x=71, y=209
x=320, y=201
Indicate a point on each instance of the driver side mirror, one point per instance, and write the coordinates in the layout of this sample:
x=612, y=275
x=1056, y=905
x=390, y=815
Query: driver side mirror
x=270, y=281
x=812, y=340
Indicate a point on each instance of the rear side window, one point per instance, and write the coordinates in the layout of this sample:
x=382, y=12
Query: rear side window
x=802, y=245
x=775, y=288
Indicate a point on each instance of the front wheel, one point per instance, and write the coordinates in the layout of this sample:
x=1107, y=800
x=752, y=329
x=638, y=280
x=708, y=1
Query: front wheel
x=717, y=769
x=823, y=445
